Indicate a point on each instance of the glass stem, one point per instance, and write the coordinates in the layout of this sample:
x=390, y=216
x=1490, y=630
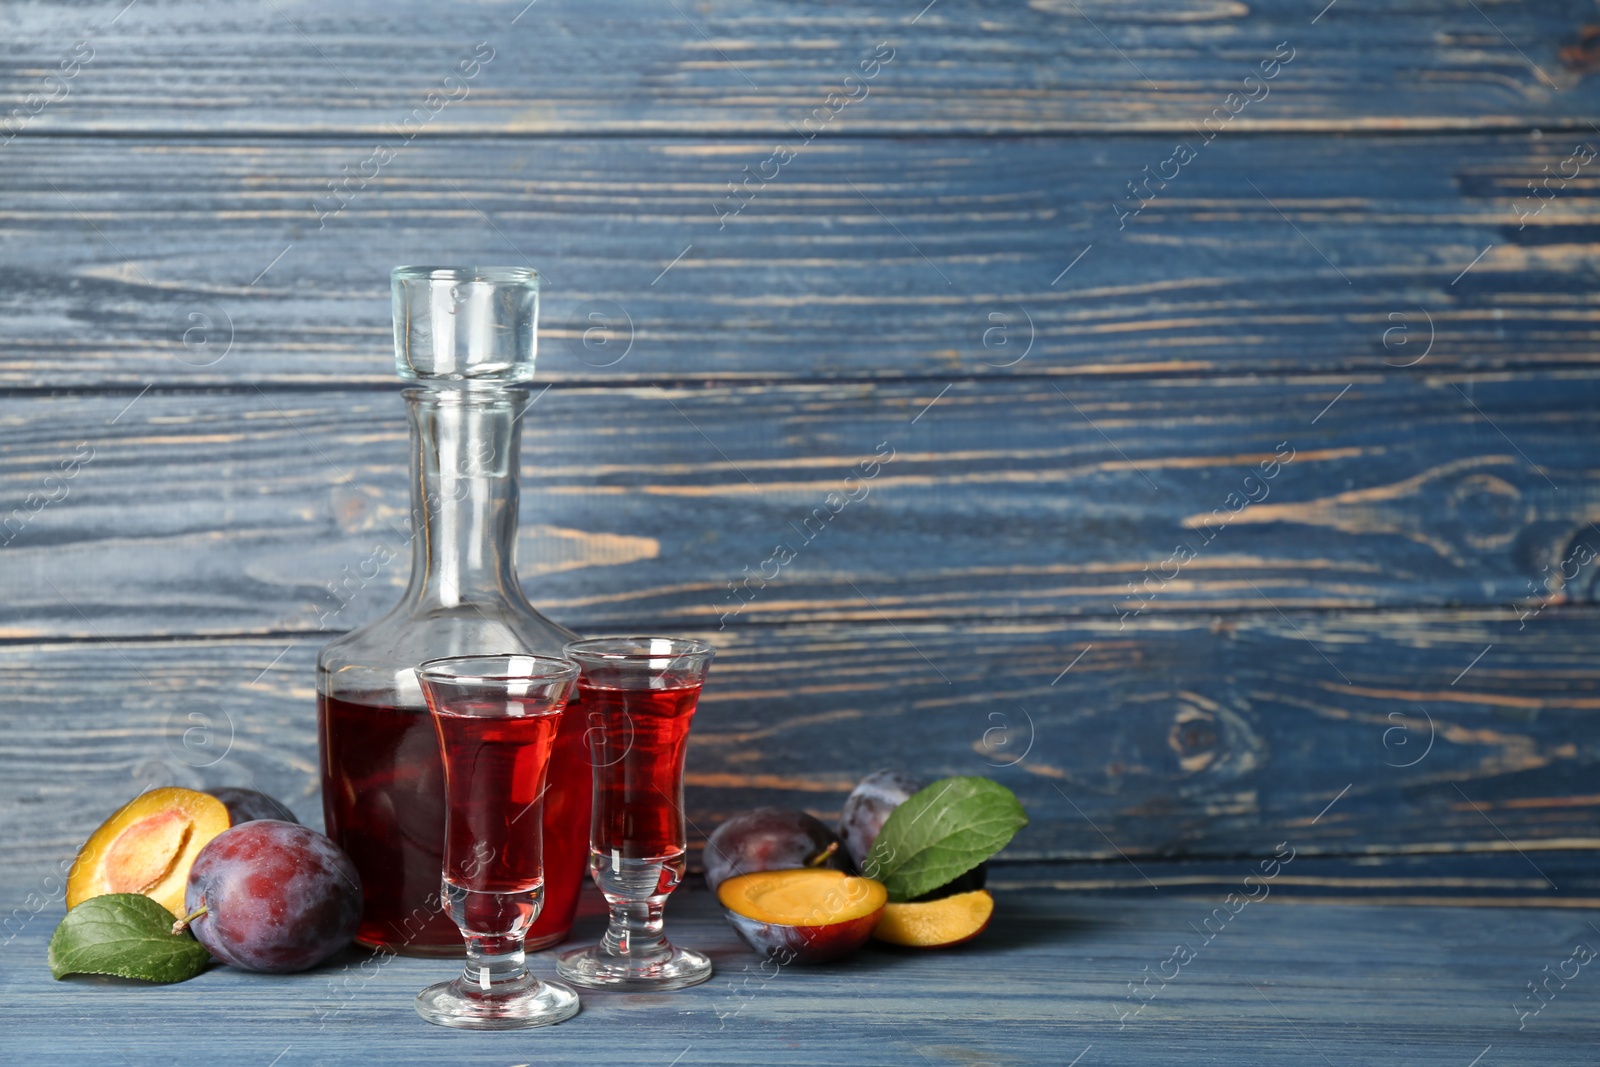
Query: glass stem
x=635, y=930
x=494, y=962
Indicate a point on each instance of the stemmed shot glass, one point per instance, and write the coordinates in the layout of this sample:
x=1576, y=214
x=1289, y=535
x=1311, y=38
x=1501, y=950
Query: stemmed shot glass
x=638, y=695
x=496, y=717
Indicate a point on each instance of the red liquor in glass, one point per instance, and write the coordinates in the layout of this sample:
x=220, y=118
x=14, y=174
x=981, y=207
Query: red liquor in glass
x=496, y=719
x=494, y=774
x=637, y=697
x=637, y=739
x=384, y=800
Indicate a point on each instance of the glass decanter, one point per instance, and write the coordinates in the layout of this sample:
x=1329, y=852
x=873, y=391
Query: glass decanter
x=466, y=336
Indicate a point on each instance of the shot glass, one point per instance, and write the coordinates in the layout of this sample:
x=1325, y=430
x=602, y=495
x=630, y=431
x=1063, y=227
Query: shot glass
x=496, y=718
x=638, y=696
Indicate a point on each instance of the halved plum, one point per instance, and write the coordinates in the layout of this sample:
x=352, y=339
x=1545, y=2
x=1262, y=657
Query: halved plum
x=770, y=839
x=808, y=915
x=936, y=923
x=147, y=846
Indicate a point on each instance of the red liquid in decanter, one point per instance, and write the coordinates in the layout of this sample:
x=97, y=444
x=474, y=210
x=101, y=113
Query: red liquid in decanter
x=384, y=803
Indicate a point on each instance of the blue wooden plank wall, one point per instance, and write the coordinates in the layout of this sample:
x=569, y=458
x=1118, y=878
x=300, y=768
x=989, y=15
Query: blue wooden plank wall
x=1237, y=366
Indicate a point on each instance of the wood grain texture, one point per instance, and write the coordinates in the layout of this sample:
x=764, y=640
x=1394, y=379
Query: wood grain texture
x=1347, y=734
x=255, y=512
x=128, y=262
x=1047, y=982
x=1387, y=661
x=1555, y=879
x=759, y=65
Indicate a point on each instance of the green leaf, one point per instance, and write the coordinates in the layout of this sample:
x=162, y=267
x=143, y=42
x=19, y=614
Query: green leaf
x=126, y=935
x=941, y=833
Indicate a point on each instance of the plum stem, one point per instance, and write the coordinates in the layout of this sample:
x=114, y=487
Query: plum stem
x=821, y=857
x=183, y=924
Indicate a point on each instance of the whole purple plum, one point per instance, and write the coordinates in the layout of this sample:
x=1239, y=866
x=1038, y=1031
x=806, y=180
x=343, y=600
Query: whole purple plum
x=247, y=805
x=867, y=808
x=770, y=839
x=273, y=896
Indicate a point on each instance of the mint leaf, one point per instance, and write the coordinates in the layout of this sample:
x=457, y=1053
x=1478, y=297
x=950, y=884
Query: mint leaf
x=942, y=832
x=126, y=935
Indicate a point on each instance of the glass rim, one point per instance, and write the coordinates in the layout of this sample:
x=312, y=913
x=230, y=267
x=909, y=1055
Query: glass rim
x=492, y=274
x=476, y=392
x=545, y=669
x=681, y=648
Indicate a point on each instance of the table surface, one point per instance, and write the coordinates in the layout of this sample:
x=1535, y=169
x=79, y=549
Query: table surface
x=1047, y=983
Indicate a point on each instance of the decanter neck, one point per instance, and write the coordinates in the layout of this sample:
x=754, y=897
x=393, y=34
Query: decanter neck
x=464, y=459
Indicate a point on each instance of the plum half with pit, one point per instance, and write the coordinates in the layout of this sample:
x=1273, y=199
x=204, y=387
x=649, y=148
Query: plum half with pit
x=147, y=846
x=247, y=805
x=770, y=839
x=272, y=896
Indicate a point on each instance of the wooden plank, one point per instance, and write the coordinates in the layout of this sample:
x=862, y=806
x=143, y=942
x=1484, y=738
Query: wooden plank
x=1048, y=981
x=253, y=512
x=749, y=66
x=1353, y=734
x=1541, y=879
x=202, y=264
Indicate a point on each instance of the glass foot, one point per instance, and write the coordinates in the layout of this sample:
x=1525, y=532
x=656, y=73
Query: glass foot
x=508, y=1006
x=597, y=969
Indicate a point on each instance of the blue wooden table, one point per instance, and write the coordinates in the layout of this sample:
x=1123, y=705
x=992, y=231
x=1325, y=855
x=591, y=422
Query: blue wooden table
x=1232, y=373
x=1055, y=978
